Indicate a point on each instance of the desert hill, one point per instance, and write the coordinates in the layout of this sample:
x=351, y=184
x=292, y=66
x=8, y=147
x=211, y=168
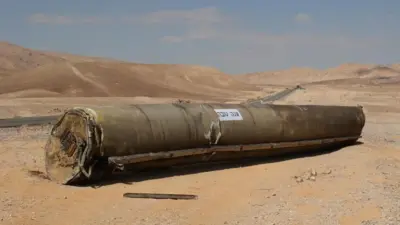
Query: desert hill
x=26, y=72
x=100, y=79
x=17, y=58
x=31, y=73
x=351, y=73
x=373, y=75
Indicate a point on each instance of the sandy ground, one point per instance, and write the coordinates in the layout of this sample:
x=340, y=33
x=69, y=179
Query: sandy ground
x=355, y=185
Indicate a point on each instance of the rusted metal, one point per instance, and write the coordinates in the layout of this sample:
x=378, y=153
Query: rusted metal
x=84, y=139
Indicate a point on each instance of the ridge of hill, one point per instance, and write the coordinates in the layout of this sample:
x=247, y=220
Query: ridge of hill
x=25, y=72
x=117, y=79
x=350, y=71
x=32, y=73
x=17, y=58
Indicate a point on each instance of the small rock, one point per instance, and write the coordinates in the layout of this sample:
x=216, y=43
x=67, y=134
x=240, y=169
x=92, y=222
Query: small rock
x=299, y=179
x=65, y=197
x=313, y=173
x=328, y=171
x=312, y=178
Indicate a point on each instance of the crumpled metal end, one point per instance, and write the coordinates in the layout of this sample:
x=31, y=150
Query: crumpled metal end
x=60, y=167
x=68, y=150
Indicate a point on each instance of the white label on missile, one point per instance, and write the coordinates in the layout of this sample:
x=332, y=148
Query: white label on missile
x=228, y=114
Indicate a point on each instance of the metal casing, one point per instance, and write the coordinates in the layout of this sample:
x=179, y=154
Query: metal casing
x=87, y=136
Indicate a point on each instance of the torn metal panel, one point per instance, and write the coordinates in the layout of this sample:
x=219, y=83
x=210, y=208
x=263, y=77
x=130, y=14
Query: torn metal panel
x=85, y=141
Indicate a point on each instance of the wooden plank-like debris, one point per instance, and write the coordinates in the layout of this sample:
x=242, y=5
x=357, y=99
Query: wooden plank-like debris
x=160, y=196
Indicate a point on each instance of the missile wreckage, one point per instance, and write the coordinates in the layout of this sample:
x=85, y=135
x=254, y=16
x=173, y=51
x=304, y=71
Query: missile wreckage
x=85, y=144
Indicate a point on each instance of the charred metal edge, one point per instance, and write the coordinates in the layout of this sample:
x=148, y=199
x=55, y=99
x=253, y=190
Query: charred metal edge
x=119, y=161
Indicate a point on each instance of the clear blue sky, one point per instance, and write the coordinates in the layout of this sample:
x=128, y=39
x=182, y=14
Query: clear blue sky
x=234, y=36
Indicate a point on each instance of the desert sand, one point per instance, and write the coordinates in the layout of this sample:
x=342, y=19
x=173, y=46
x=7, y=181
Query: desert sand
x=355, y=185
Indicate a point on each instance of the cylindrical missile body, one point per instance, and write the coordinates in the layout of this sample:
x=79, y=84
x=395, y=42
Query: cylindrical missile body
x=163, y=134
